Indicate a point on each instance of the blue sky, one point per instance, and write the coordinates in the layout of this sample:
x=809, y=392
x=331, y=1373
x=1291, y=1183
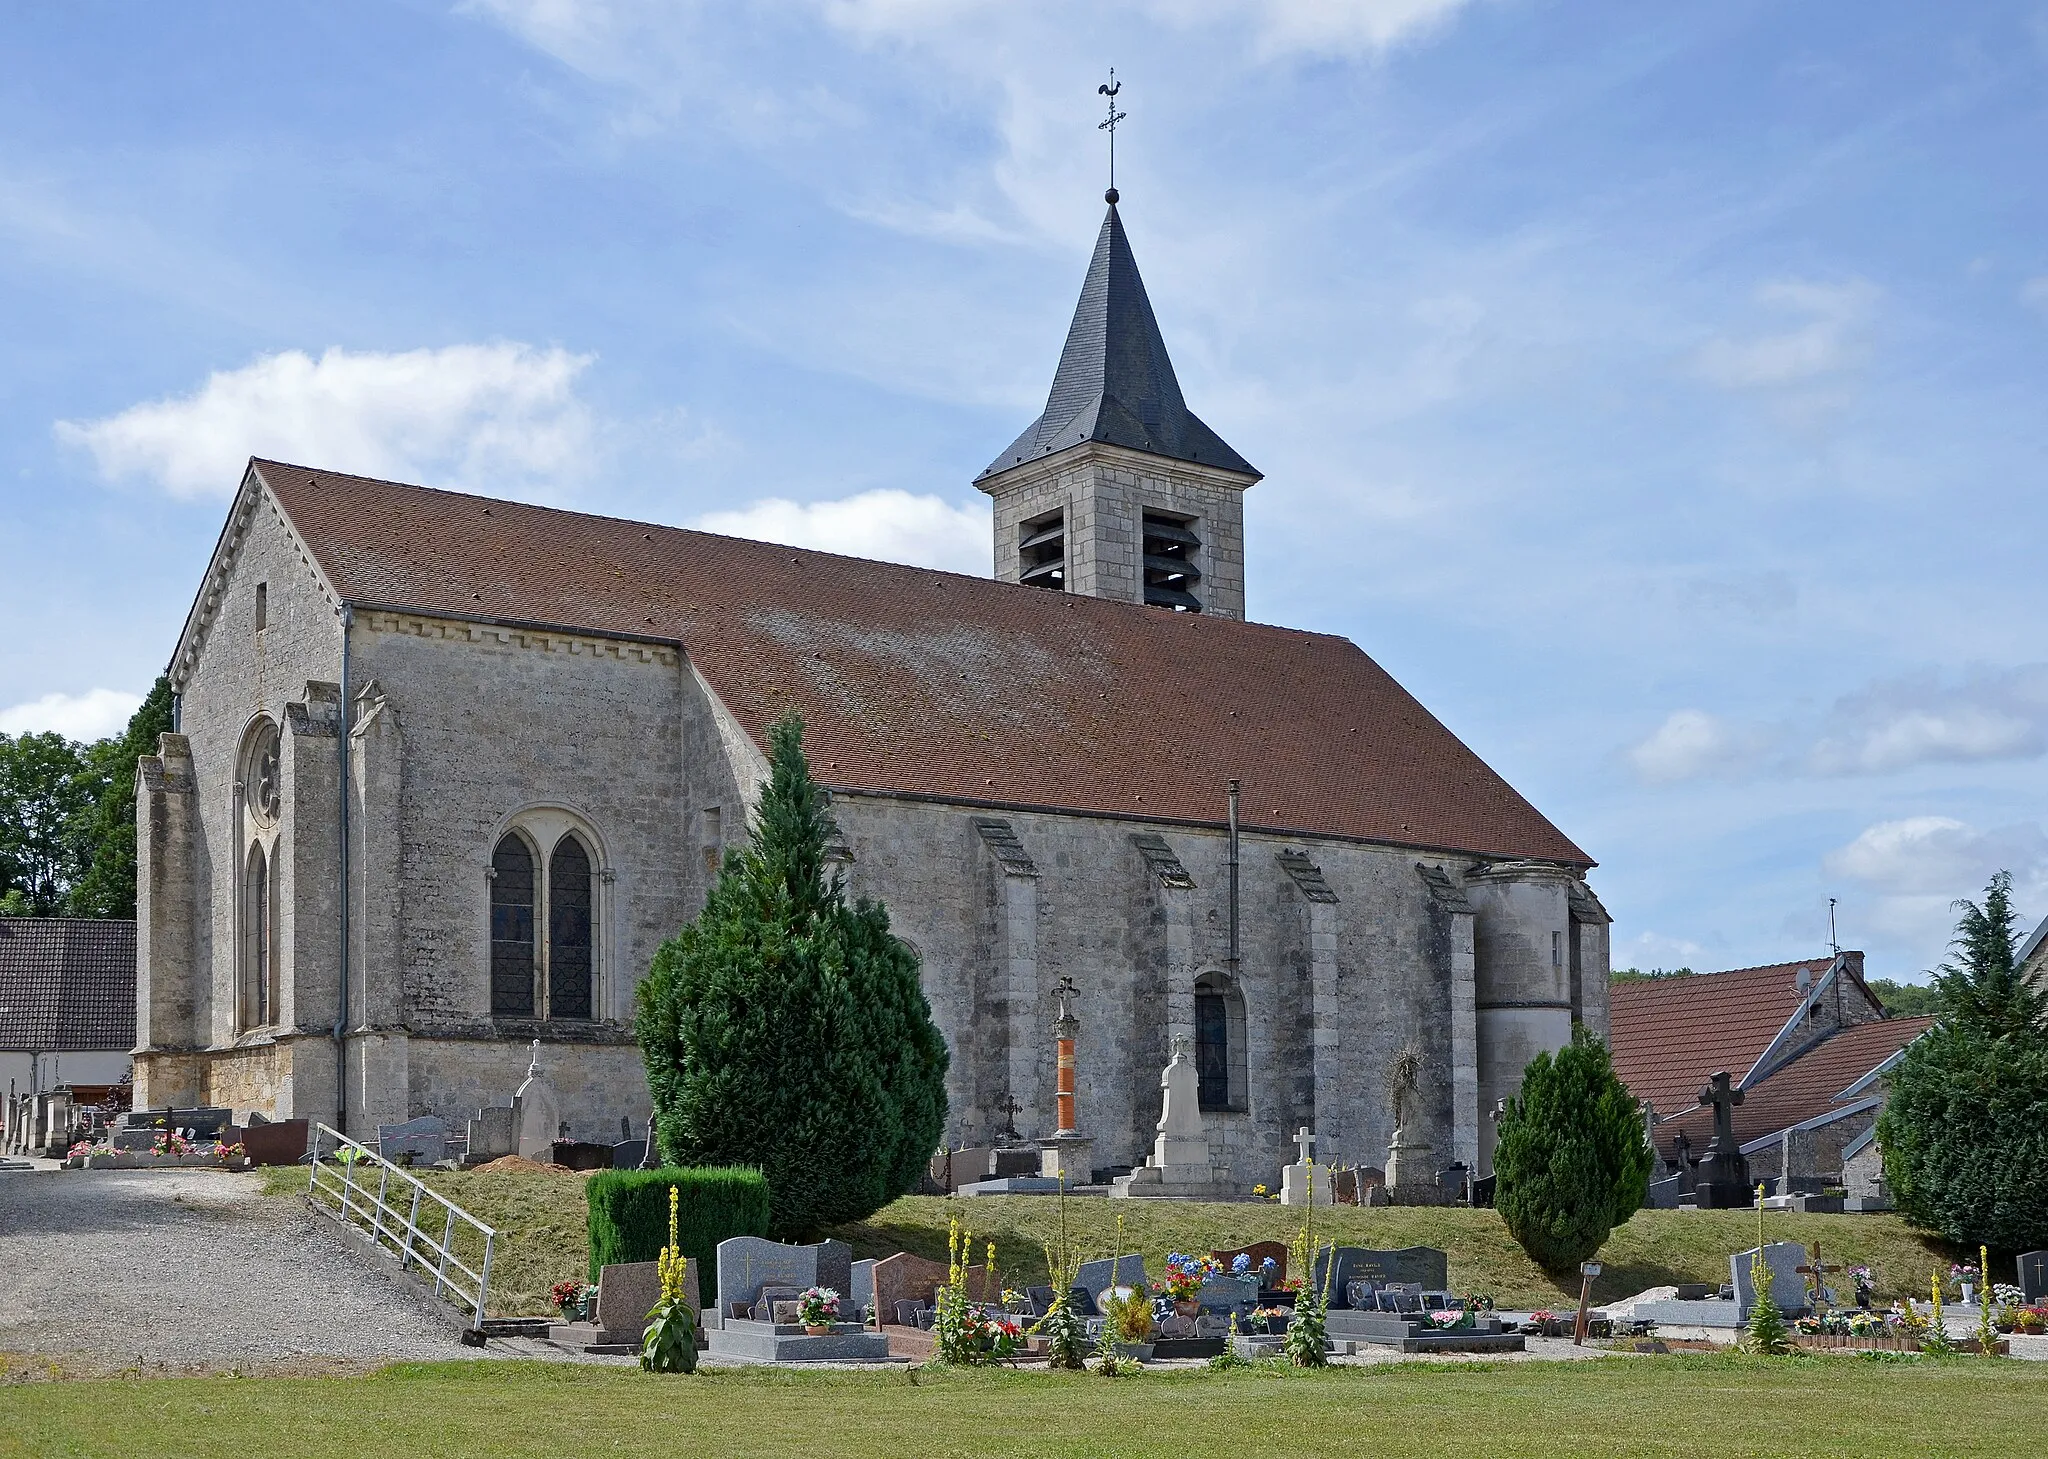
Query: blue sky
x=1656, y=390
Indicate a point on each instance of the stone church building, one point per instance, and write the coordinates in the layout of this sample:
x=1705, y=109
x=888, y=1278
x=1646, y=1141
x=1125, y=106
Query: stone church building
x=449, y=769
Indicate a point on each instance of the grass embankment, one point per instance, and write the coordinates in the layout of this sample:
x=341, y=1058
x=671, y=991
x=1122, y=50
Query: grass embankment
x=1619, y=1406
x=545, y=1238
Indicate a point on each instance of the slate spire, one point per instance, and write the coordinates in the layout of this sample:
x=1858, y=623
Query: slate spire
x=1115, y=383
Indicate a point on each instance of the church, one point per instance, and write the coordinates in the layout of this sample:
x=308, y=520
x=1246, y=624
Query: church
x=448, y=770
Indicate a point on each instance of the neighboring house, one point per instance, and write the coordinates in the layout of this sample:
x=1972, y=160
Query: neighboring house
x=473, y=760
x=67, y=1010
x=1805, y=1042
x=2033, y=957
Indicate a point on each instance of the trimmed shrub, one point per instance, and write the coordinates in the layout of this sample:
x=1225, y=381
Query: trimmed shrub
x=629, y=1216
x=785, y=1027
x=1572, y=1162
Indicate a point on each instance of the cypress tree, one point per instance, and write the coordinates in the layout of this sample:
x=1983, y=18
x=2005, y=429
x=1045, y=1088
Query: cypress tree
x=1965, y=1144
x=1571, y=1163
x=785, y=1027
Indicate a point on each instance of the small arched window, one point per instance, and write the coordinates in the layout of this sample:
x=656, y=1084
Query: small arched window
x=570, y=898
x=1219, y=1044
x=512, y=944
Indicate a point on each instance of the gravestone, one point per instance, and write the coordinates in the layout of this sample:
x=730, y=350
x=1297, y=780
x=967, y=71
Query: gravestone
x=1256, y=1255
x=540, y=1112
x=281, y=1142
x=1004, y=1164
x=204, y=1123
x=627, y=1292
x=1788, y=1284
x=425, y=1139
x=861, y=1293
x=1229, y=1293
x=1097, y=1277
x=905, y=1278
x=1422, y=1266
x=1304, y=1182
x=1723, y=1181
x=580, y=1155
x=1179, y=1165
x=746, y=1264
x=494, y=1133
x=627, y=1154
x=140, y=1140
x=963, y=1167
x=2033, y=1274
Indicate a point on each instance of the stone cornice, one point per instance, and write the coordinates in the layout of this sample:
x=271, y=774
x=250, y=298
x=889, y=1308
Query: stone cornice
x=529, y=636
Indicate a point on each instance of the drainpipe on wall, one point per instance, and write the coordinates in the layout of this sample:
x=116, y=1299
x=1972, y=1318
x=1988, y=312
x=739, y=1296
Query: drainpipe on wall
x=348, y=618
x=1233, y=879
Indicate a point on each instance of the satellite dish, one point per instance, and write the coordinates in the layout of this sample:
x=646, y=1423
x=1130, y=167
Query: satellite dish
x=1803, y=980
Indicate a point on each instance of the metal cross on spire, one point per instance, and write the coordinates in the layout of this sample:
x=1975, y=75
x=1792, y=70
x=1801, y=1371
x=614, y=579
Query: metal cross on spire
x=1109, y=89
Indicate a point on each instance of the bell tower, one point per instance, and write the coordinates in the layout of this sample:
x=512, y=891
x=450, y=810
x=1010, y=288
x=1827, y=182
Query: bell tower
x=1118, y=490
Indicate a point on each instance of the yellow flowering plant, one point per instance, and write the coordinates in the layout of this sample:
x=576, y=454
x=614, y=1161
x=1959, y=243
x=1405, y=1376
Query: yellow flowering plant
x=669, y=1344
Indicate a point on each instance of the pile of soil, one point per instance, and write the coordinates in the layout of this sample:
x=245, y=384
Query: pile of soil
x=520, y=1165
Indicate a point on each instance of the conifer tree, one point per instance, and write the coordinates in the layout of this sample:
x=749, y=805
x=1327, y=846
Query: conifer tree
x=1965, y=1143
x=785, y=1027
x=1572, y=1162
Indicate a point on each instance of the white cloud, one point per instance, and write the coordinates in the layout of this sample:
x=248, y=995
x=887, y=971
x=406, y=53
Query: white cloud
x=1991, y=715
x=1919, y=866
x=1940, y=856
x=477, y=414
x=1827, y=343
x=2034, y=293
x=1344, y=27
x=93, y=715
x=892, y=525
x=1692, y=743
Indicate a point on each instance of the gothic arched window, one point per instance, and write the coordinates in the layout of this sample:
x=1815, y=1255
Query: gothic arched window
x=512, y=943
x=1219, y=1044
x=259, y=931
x=570, y=898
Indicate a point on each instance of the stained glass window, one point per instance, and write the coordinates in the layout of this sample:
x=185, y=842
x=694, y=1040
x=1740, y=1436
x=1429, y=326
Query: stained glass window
x=512, y=929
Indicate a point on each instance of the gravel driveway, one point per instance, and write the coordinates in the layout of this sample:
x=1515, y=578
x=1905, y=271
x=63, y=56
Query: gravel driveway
x=195, y=1268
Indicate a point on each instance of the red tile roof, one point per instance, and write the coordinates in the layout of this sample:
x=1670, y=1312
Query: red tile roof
x=67, y=983
x=1805, y=1088
x=1670, y=1034
x=935, y=684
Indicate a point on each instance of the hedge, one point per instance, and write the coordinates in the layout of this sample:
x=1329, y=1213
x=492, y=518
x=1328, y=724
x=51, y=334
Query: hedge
x=629, y=1215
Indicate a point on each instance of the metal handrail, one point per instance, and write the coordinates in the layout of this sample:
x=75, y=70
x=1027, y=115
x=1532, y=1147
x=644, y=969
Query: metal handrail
x=398, y=1225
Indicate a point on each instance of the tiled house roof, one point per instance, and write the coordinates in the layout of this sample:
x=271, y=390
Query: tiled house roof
x=1804, y=1088
x=67, y=984
x=933, y=684
x=1670, y=1034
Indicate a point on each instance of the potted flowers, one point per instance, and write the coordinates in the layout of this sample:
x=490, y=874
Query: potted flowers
x=1863, y=1279
x=1964, y=1275
x=1272, y=1320
x=817, y=1308
x=1185, y=1277
x=573, y=1299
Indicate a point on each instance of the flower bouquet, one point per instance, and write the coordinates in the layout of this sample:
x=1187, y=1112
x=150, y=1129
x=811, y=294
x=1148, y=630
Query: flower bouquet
x=817, y=1308
x=573, y=1298
x=1186, y=1276
x=1273, y=1320
x=1447, y=1319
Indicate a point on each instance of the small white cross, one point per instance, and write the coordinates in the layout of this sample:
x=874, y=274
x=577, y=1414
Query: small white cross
x=1307, y=1142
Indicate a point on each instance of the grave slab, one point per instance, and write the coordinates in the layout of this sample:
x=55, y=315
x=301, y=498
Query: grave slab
x=1416, y=1265
x=772, y=1342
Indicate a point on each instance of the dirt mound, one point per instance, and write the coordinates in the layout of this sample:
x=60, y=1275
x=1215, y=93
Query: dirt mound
x=520, y=1165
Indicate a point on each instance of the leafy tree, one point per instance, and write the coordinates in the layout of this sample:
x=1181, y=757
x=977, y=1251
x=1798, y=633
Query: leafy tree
x=44, y=789
x=785, y=1028
x=1572, y=1163
x=1965, y=1144
x=104, y=836
x=1905, y=1000
x=1646, y=975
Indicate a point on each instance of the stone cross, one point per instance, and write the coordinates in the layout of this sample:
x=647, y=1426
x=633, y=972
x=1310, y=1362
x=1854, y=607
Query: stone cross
x=1723, y=1099
x=1306, y=1141
x=533, y=1068
x=1011, y=1109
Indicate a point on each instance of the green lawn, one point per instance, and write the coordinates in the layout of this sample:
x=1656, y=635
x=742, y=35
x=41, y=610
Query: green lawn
x=1680, y=1406
x=542, y=1218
